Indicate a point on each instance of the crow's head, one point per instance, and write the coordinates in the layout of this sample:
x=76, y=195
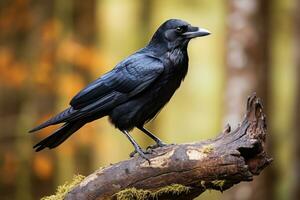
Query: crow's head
x=176, y=33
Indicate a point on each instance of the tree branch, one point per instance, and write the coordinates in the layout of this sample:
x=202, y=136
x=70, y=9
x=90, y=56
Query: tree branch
x=184, y=171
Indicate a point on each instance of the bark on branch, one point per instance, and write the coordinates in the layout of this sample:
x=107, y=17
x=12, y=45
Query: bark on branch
x=184, y=171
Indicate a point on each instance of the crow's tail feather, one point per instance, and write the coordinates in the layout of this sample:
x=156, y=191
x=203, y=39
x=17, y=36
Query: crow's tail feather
x=59, y=118
x=59, y=136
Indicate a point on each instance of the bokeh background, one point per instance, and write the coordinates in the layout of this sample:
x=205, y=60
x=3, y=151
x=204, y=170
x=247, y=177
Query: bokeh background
x=49, y=50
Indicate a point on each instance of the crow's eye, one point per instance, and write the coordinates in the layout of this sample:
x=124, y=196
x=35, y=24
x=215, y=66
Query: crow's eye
x=181, y=29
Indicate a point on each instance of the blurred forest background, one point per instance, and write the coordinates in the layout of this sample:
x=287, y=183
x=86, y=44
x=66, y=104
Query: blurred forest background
x=49, y=50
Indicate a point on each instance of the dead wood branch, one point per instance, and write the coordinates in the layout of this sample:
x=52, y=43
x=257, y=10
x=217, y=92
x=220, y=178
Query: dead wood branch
x=184, y=171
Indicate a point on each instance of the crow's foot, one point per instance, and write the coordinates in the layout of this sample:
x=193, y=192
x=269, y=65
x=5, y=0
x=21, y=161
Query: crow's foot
x=154, y=146
x=140, y=152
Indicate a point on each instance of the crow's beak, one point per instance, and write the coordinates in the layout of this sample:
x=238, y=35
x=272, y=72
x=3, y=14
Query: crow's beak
x=196, y=32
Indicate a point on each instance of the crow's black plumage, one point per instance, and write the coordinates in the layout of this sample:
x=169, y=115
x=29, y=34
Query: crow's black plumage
x=134, y=91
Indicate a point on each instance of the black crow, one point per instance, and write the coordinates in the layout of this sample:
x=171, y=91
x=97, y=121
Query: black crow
x=133, y=92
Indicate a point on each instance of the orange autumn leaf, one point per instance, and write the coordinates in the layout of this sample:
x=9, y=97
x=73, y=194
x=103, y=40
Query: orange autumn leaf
x=85, y=135
x=50, y=31
x=70, y=84
x=9, y=166
x=12, y=72
x=43, y=166
x=73, y=52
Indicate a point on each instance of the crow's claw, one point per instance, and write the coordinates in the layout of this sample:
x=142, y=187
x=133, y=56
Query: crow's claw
x=140, y=152
x=132, y=153
x=154, y=146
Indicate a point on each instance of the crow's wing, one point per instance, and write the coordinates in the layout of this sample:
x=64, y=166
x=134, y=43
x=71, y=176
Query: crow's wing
x=127, y=79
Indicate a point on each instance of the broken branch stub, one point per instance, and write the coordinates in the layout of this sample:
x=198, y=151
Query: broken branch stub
x=184, y=171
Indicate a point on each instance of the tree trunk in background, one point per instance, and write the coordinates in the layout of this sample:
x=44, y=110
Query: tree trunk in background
x=63, y=12
x=296, y=131
x=247, y=56
x=145, y=13
x=85, y=21
x=85, y=34
x=19, y=101
x=22, y=142
x=248, y=71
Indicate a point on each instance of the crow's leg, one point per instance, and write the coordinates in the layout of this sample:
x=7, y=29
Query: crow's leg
x=159, y=143
x=137, y=148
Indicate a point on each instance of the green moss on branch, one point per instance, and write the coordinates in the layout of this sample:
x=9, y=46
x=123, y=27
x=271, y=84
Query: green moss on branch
x=139, y=194
x=62, y=190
